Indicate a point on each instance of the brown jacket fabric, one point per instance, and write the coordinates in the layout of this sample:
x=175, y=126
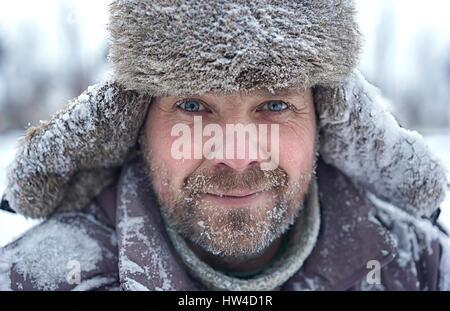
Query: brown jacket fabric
x=119, y=242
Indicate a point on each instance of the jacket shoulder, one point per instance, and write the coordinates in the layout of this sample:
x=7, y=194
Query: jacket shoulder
x=70, y=251
x=423, y=251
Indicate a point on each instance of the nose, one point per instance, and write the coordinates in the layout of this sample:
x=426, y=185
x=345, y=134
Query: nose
x=238, y=165
x=236, y=153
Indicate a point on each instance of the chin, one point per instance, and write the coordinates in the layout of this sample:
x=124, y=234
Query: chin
x=243, y=231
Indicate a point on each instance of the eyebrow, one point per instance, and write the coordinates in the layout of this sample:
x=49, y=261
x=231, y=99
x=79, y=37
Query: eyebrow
x=258, y=93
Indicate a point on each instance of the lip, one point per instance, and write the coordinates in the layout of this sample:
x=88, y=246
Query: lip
x=236, y=197
x=237, y=193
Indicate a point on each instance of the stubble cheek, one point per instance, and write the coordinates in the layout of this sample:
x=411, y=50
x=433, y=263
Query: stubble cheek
x=297, y=152
x=158, y=158
x=167, y=173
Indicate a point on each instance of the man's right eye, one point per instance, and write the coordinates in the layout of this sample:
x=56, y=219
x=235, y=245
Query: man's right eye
x=191, y=105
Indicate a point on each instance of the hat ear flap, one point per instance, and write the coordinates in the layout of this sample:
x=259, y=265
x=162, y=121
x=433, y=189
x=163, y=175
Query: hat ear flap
x=363, y=140
x=64, y=163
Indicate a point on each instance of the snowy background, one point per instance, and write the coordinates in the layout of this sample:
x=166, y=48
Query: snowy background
x=50, y=51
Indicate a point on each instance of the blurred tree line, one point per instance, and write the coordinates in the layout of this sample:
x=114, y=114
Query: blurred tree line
x=420, y=93
x=33, y=85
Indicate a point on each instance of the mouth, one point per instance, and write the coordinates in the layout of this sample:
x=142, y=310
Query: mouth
x=236, y=197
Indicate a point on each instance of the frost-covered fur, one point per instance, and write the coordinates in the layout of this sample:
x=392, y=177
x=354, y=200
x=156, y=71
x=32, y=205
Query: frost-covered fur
x=181, y=47
x=68, y=160
x=192, y=47
x=365, y=142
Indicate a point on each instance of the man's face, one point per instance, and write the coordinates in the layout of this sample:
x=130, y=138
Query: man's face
x=220, y=200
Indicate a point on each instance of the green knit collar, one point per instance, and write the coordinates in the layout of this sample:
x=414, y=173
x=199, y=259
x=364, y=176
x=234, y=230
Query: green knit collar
x=249, y=275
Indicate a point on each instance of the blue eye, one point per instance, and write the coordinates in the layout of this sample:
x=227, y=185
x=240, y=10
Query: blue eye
x=275, y=106
x=191, y=105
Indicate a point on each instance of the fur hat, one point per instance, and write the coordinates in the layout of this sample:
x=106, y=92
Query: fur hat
x=194, y=47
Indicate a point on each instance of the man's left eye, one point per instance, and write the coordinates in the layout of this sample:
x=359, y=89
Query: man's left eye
x=274, y=106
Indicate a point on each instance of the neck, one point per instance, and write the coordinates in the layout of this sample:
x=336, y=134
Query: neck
x=239, y=264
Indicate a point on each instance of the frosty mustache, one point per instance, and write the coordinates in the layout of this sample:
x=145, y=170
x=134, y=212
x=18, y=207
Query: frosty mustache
x=214, y=148
x=223, y=181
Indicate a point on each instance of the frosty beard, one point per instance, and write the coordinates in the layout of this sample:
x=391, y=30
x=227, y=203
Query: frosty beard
x=244, y=231
x=239, y=231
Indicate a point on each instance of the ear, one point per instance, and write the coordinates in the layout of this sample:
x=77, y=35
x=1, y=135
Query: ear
x=363, y=140
x=64, y=163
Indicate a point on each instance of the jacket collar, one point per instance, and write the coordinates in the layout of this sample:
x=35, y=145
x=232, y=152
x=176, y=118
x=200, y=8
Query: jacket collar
x=349, y=237
x=147, y=259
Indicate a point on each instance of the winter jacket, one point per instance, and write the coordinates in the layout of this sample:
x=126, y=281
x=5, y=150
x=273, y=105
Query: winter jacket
x=120, y=242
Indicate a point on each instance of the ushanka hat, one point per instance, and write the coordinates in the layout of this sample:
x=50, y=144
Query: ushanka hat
x=183, y=47
x=195, y=47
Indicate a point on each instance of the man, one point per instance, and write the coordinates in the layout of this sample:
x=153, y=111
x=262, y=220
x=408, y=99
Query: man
x=238, y=149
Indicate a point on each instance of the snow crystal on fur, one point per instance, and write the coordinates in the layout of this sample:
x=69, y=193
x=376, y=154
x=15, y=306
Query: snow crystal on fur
x=363, y=140
x=68, y=160
x=193, y=47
